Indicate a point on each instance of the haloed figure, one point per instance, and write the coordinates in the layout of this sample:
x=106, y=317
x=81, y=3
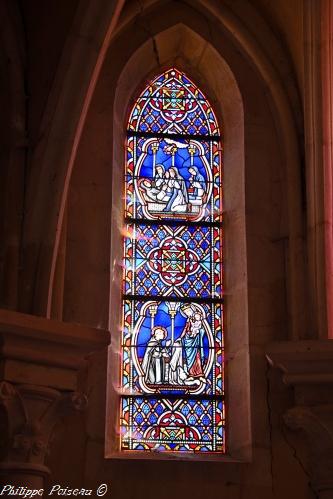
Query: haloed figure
x=155, y=359
x=192, y=340
x=187, y=361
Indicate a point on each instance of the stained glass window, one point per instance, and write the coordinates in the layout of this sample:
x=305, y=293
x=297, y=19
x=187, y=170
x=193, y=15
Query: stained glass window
x=172, y=335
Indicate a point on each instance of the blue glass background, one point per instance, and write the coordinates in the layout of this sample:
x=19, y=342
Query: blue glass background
x=162, y=318
x=182, y=161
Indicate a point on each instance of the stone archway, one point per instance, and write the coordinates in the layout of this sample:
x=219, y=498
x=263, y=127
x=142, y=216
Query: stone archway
x=38, y=283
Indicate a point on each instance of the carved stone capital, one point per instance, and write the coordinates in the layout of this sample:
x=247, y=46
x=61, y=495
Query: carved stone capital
x=28, y=416
x=39, y=361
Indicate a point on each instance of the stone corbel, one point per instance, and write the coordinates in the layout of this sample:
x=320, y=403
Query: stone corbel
x=307, y=366
x=39, y=364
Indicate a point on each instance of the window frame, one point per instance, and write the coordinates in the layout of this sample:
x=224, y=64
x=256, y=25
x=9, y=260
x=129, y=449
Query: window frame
x=238, y=401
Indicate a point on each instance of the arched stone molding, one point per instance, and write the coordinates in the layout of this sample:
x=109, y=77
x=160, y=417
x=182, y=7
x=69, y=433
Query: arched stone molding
x=173, y=37
x=263, y=323
x=223, y=21
x=259, y=41
x=52, y=164
x=287, y=127
x=276, y=74
x=127, y=41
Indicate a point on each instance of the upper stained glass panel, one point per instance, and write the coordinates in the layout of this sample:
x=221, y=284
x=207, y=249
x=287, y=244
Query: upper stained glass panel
x=173, y=179
x=172, y=104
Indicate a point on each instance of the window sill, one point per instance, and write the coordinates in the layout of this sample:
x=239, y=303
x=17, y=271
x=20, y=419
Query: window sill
x=168, y=456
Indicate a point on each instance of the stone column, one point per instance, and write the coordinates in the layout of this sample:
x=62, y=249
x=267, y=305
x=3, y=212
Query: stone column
x=39, y=363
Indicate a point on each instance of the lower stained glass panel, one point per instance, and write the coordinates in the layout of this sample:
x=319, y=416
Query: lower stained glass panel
x=172, y=348
x=161, y=424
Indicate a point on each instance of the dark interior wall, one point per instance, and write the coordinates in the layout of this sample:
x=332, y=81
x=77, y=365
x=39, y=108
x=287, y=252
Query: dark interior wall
x=5, y=151
x=46, y=25
x=12, y=149
x=32, y=39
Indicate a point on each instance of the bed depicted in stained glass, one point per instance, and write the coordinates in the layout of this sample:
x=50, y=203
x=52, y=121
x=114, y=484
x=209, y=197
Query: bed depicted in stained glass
x=173, y=178
x=172, y=346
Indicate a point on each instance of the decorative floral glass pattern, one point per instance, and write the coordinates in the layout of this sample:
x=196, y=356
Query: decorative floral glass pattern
x=172, y=335
x=160, y=424
x=173, y=260
x=172, y=103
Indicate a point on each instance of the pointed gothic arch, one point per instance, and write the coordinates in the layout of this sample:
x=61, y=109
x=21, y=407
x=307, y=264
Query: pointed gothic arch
x=219, y=90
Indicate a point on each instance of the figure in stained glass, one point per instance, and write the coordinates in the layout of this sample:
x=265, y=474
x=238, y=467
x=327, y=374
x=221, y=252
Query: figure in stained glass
x=197, y=185
x=176, y=186
x=192, y=341
x=172, y=176
x=172, y=346
x=154, y=364
x=186, y=365
x=155, y=189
